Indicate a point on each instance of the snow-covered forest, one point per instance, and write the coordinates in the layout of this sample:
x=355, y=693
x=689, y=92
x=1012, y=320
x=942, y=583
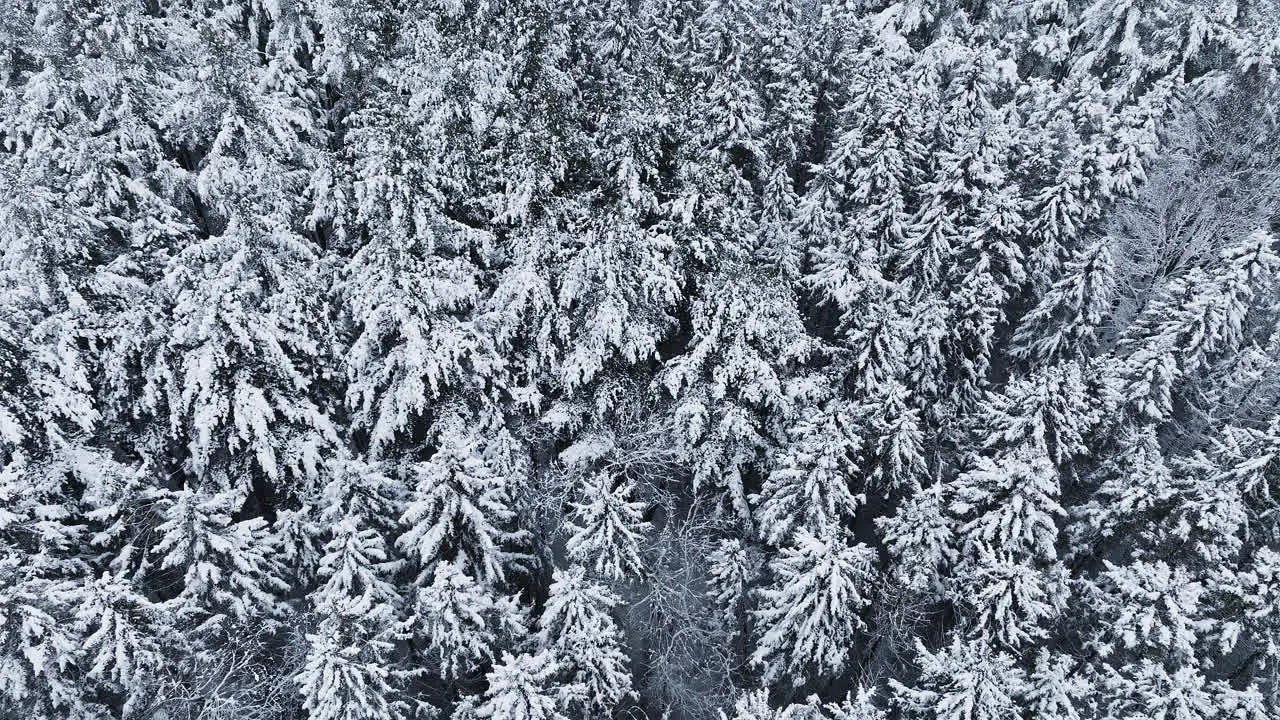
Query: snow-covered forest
x=639, y=359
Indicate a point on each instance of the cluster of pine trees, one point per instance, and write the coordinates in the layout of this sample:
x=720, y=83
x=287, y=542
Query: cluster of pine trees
x=578, y=359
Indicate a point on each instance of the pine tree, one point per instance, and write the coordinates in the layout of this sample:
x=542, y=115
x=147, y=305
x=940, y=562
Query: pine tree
x=859, y=704
x=809, y=615
x=124, y=641
x=810, y=487
x=459, y=510
x=1009, y=573
x=732, y=572
x=1159, y=505
x=1242, y=599
x=1199, y=316
x=607, y=528
x=897, y=439
x=340, y=682
x=313, y=313
x=577, y=630
x=1050, y=410
x=747, y=335
x=1054, y=689
x=229, y=573
x=41, y=647
x=786, y=95
x=1065, y=323
x=520, y=688
x=966, y=680
x=731, y=109
x=858, y=205
x=412, y=345
x=624, y=288
x=346, y=673
x=753, y=705
x=460, y=622
x=232, y=325
x=921, y=541
x=1008, y=505
x=1148, y=607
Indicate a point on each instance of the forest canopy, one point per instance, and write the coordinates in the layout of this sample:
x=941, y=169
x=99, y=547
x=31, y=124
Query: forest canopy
x=666, y=359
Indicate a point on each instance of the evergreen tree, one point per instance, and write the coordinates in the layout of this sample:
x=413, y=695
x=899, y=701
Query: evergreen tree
x=460, y=622
x=228, y=570
x=810, y=614
x=520, y=688
x=967, y=680
x=349, y=667
x=577, y=630
x=921, y=540
x=810, y=489
x=607, y=528
x=459, y=509
x=1065, y=323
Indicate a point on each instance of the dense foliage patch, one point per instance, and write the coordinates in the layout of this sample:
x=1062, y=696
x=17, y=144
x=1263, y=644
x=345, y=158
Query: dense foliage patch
x=542, y=359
